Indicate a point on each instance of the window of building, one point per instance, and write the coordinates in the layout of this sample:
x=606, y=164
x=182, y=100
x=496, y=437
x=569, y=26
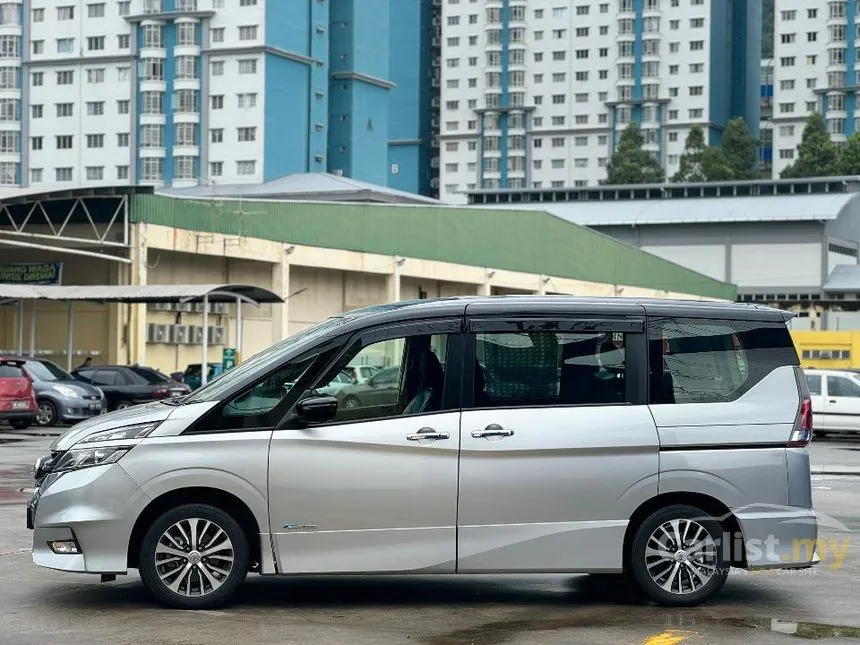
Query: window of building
x=248, y=32
x=95, y=141
x=151, y=168
x=95, y=173
x=245, y=168
x=63, y=174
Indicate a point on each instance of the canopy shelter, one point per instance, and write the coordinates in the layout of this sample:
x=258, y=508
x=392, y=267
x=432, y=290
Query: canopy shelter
x=175, y=293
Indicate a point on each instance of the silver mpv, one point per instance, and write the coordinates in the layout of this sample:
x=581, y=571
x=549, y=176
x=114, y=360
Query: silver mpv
x=661, y=440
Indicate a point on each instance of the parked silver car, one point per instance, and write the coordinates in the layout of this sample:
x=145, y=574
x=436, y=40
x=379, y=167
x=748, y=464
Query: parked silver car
x=663, y=440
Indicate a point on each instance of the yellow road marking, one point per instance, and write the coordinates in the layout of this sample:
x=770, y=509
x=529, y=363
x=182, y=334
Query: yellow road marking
x=669, y=637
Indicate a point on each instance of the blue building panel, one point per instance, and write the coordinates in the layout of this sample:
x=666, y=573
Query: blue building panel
x=169, y=78
x=288, y=24
x=638, y=35
x=286, y=119
x=850, y=60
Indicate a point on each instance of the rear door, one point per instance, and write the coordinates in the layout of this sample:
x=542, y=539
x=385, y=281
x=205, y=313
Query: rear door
x=558, y=445
x=15, y=388
x=842, y=403
x=817, y=393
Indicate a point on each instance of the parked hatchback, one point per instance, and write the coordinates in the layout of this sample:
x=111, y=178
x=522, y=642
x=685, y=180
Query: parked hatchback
x=17, y=399
x=665, y=440
x=60, y=396
x=125, y=386
x=835, y=400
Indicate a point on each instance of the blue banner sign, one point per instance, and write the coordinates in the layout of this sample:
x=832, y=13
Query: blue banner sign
x=31, y=273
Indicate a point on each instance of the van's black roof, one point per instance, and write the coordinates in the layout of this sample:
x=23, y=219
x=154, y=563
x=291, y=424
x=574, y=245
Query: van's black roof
x=526, y=305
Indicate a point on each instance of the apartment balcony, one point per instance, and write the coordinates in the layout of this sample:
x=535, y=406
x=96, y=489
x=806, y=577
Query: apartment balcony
x=186, y=84
x=153, y=119
x=186, y=150
x=186, y=117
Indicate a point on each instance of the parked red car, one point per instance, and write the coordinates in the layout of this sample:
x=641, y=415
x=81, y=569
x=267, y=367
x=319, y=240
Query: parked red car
x=17, y=398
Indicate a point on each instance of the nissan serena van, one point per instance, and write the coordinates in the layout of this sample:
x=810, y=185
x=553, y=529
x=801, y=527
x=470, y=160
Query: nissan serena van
x=662, y=440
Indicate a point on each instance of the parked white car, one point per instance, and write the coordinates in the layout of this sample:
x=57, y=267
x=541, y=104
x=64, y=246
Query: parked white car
x=835, y=400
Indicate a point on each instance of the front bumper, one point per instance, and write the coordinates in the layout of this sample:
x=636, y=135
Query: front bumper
x=73, y=410
x=97, y=507
x=779, y=538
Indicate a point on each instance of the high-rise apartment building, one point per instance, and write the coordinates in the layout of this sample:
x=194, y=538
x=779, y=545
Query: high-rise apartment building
x=188, y=92
x=536, y=93
x=815, y=52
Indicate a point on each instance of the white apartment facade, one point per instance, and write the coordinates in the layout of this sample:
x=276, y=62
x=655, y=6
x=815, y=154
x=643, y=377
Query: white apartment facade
x=105, y=92
x=535, y=94
x=814, y=70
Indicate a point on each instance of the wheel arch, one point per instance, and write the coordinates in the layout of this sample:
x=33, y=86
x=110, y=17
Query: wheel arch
x=710, y=505
x=218, y=498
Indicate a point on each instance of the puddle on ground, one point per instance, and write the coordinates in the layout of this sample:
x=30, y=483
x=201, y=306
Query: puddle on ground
x=504, y=631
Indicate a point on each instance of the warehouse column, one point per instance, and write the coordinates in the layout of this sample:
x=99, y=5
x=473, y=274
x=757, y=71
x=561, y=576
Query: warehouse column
x=392, y=281
x=281, y=286
x=136, y=318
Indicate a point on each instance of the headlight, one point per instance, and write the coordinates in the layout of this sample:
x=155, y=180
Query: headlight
x=66, y=391
x=88, y=457
x=137, y=431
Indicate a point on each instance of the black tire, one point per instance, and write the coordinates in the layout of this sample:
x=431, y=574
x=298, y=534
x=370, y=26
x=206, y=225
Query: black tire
x=122, y=405
x=681, y=591
x=351, y=402
x=20, y=424
x=151, y=575
x=48, y=415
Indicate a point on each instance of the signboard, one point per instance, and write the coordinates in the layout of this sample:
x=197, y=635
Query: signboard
x=228, y=358
x=31, y=273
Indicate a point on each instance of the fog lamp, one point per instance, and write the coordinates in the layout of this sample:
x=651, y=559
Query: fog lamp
x=64, y=547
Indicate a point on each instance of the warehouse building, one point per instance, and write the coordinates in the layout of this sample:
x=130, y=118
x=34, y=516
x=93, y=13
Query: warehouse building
x=321, y=257
x=788, y=243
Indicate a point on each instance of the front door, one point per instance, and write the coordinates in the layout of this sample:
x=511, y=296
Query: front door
x=375, y=490
x=558, y=445
x=842, y=404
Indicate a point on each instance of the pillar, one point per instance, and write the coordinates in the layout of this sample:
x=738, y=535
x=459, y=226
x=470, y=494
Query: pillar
x=485, y=289
x=281, y=286
x=393, y=281
x=542, y=282
x=136, y=317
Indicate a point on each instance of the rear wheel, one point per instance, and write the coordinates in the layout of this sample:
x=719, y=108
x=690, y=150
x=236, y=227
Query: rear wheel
x=20, y=424
x=122, y=405
x=194, y=556
x=677, y=558
x=351, y=402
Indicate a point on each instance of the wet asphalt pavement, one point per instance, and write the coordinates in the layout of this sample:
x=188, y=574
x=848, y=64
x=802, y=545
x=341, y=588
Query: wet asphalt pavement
x=40, y=606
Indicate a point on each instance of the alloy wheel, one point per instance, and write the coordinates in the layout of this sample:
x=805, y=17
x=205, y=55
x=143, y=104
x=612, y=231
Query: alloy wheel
x=45, y=414
x=194, y=557
x=681, y=556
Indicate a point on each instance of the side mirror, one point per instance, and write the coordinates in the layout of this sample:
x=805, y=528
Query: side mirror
x=317, y=409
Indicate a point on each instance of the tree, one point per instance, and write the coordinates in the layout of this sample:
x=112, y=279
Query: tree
x=849, y=156
x=816, y=155
x=699, y=162
x=631, y=164
x=739, y=149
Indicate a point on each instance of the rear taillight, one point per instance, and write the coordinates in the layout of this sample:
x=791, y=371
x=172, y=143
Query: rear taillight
x=161, y=392
x=802, y=433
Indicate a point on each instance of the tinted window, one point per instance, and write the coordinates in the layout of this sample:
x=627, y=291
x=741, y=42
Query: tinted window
x=544, y=368
x=411, y=380
x=842, y=386
x=814, y=383
x=11, y=371
x=264, y=397
x=47, y=371
x=107, y=377
x=150, y=375
x=703, y=361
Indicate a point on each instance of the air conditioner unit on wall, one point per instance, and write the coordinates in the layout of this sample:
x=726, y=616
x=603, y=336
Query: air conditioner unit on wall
x=218, y=308
x=159, y=306
x=157, y=333
x=180, y=334
x=217, y=335
x=184, y=306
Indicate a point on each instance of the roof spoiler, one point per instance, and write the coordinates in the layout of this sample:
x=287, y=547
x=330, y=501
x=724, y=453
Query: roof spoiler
x=787, y=315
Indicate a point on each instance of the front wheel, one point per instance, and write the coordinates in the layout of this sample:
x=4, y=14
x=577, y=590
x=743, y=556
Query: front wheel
x=194, y=556
x=677, y=557
x=351, y=403
x=47, y=415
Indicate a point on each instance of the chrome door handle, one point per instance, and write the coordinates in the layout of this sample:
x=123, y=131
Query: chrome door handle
x=427, y=433
x=492, y=430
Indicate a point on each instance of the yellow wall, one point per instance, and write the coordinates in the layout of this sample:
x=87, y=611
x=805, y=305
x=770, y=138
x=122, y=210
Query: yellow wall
x=812, y=343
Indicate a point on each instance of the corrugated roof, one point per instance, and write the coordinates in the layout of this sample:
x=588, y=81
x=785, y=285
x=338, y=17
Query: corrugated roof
x=146, y=293
x=845, y=278
x=530, y=242
x=782, y=208
x=305, y=185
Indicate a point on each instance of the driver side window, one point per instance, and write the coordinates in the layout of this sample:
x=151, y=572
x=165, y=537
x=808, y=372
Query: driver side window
x=407, y=376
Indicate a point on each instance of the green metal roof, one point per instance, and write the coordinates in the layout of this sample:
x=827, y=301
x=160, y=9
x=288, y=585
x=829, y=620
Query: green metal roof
x=527, y=241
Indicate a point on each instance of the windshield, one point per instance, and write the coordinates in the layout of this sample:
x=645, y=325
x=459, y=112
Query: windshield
x=216, y=389
x=47, y=371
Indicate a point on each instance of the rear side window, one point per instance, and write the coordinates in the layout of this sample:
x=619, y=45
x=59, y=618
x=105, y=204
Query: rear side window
x=11, y=371
x=707, y=361
x=814, y=383
x=532, y=369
